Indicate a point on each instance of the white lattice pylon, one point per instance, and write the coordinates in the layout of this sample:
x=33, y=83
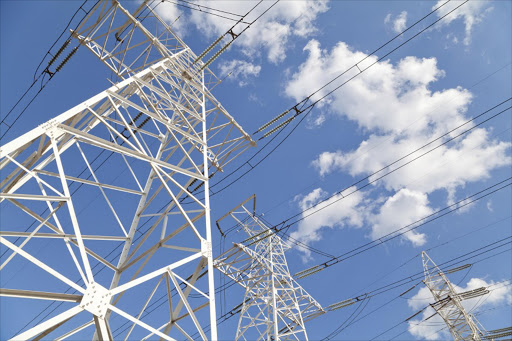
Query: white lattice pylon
x=142, y=147
x=275, y=306
x=462, y=325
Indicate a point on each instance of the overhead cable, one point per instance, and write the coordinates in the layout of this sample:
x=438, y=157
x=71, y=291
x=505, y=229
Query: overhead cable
x=409, y=227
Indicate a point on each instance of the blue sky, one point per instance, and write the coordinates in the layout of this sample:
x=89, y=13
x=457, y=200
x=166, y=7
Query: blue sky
x=447, y=75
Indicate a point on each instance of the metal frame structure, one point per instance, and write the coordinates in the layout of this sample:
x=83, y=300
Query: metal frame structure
x=160, y=129
x=275, y=306
x=462, y=325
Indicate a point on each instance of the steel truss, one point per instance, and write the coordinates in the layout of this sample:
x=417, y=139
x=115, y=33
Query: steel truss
x=275, y=306
x=462, y=325
x=159, y=130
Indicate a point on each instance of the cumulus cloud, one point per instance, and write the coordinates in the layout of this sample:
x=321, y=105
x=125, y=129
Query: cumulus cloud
x=399, y=93
x=471, y=13
x=271, y=32
x=429, y=330
x=399, y=23
x=239, y=70
x=352, y=208
x=170, y=12
x=451, y=166
x=401, y=209
x=334, y=213
x=394, y=104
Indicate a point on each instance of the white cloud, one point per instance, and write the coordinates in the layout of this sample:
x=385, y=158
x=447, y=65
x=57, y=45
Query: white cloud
x=428, y=330
x=271, y=32
x=239, y=70
x=169, y=12
x=471, y=13
x=334, y=213
x=351, y=209
x=469, y=160
x=403, y=208
x=387, y=19
x=399, y=23
x=489, y=206
x=396, y=106
x=384, y=90
x=395, y=103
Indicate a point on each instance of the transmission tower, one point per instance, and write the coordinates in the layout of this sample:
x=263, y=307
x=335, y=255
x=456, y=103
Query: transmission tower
x=448, y=303
x=159, y=131
x=275, y=306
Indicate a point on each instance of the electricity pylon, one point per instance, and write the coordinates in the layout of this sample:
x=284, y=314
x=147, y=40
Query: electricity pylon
x=143, y=147
x=462, y=325
x=275, y=306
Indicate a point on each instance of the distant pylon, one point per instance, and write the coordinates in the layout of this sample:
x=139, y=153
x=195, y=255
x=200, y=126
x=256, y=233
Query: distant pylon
x=462, y=325
x=275, y=306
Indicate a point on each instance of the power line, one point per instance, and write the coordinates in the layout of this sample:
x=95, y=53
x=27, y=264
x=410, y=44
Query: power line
x=382, y=276
x=355, y=184
x=275, y=227
x=389, y=165
x=367, y=296
x=409, y=227
x=306, y=109
x=230, y=33
x=447, y=265
x=361, y=71
x=198, y=8
x=391, y=136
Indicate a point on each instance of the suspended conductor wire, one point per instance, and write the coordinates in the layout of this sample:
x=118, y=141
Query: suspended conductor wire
x=310, y=107
x=303, y=102
x=442, y=265
x=233, y=36
x=410, y=227
x=427, y=250
x=307, y=109
x=198, y=7
x=445, y=267
x=337, y=331
x=398, y=160
x=233, y=312
x=242, y=165
x=354, y=66
x=236, y=310
x=380, y=277
x=355, y=314
x=230, y=32
x=316, y=206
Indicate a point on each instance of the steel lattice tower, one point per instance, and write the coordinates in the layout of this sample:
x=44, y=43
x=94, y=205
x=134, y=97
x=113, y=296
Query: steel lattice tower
x=275, y=306
x=462, y=326
x=163, y=131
